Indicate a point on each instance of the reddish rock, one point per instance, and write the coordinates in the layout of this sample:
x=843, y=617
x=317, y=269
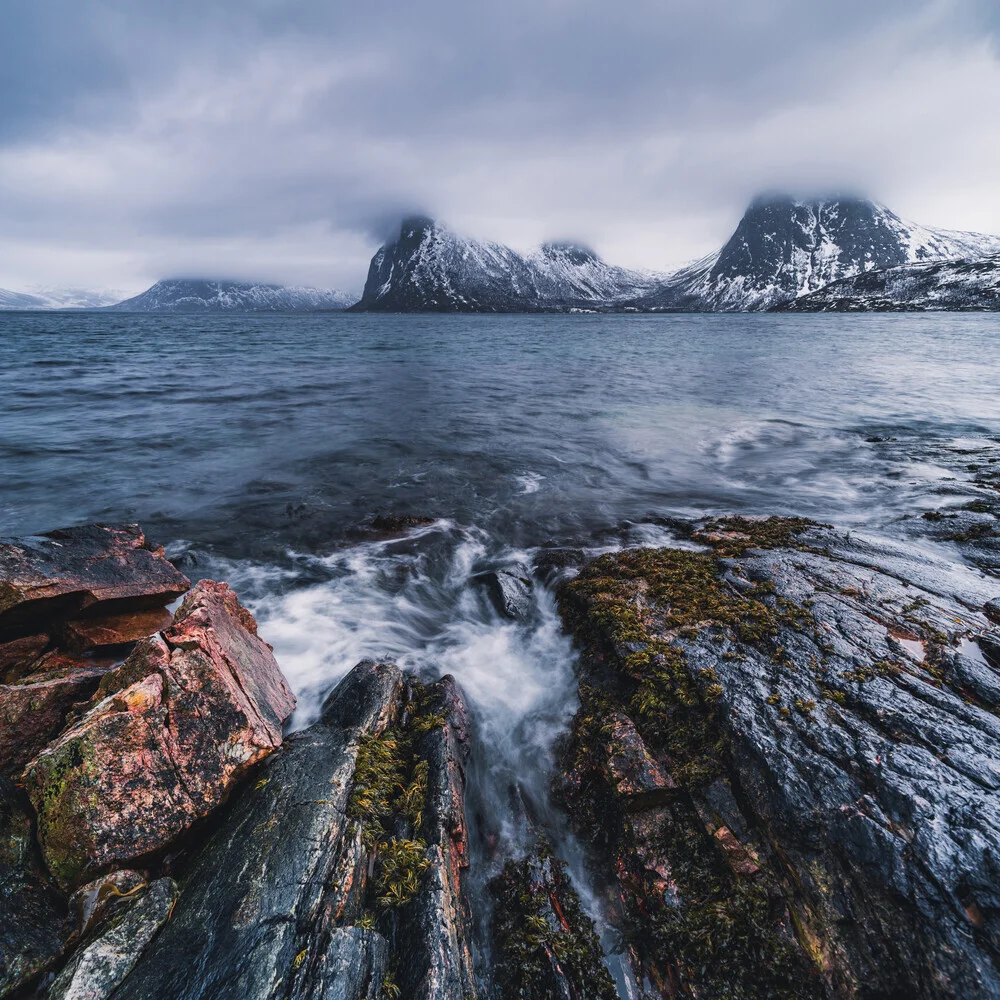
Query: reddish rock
x=174, y=727
x=636, y=776
x=18, y=655
x=113, y=630
x=33, y=709
x=737, y=856
x=63, y=573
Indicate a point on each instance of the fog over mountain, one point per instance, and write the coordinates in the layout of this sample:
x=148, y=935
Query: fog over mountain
x=278, y=142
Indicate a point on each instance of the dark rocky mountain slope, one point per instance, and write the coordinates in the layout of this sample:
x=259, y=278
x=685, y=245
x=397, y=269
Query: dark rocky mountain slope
x=428, y=268
x=968, y=284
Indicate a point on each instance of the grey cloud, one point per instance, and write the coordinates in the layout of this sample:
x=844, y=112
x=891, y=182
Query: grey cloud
x=172, y=133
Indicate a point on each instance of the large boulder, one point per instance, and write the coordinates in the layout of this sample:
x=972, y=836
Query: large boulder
x=172, y=729
x=829, y=719
x=97, y=568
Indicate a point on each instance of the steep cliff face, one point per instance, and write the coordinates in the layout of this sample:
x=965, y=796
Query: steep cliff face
x=428, y=268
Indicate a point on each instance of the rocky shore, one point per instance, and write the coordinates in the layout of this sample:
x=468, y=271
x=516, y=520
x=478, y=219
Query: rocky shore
x=784, y=771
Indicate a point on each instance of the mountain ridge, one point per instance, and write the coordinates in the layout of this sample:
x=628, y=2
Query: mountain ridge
x=781, y=249
x=429, y=268
x=208, y=295
x=961, y=285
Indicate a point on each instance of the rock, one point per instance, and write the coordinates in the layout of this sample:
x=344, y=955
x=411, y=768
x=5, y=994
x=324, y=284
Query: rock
x=249, y=897
x=98, y=967
x=354, y=966
x=31, y=912
x=863, y=834
x=85, y=634
x=186, y=715
x=992, y=610
x=363, y=817
x=92, y=902
x=396, y=524
x=18, y=655
x=436, y=963
x=510, y=593
x=60, y=574
x=638, y=779
x=33, y=709
x=546, y=945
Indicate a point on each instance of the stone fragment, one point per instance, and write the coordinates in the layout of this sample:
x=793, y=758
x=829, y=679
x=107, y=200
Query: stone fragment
x=33, y=709
x=62, y=573
x=510, y=592
x=85, y=634
x=18, y=655
x=98, y=967
x=636, y=776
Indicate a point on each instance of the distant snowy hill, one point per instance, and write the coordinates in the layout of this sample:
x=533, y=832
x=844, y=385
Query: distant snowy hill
x=430, y=268
x=18, y=300
x=196, y=295
x=57, y=298
x=784, y=248
x=961, y=285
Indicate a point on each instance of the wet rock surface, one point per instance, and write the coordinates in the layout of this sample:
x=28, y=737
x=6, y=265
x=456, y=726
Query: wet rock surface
x=106, y=568
x=31, y=911
x=782, y=773
x=98, y=966
x=834, y=747
x=34, y=707
x=510, y=592
x=546, y=944
x=173, y=728
x=337, y=871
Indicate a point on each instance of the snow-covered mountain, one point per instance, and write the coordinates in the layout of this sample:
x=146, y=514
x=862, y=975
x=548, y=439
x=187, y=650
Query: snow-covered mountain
x=784, y=248
x=57, y=298
x=428, y=268
x=19, y=300
x=198, y=295
x=961, y=285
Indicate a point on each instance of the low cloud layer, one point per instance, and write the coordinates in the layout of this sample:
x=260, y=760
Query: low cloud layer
x=279, y=139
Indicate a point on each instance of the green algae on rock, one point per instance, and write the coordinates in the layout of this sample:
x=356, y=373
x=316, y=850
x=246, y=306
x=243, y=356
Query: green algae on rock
x=547, y=947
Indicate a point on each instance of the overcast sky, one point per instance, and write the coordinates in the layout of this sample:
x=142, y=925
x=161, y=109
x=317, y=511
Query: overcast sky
x=278, y=139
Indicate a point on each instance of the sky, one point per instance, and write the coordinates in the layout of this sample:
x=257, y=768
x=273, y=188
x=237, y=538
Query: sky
x=281, y=139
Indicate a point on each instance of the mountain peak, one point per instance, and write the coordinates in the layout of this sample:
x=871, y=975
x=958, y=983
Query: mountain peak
x=571, y=253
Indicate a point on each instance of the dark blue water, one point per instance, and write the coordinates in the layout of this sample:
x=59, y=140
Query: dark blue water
x=254, y=433
x=258, y=447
